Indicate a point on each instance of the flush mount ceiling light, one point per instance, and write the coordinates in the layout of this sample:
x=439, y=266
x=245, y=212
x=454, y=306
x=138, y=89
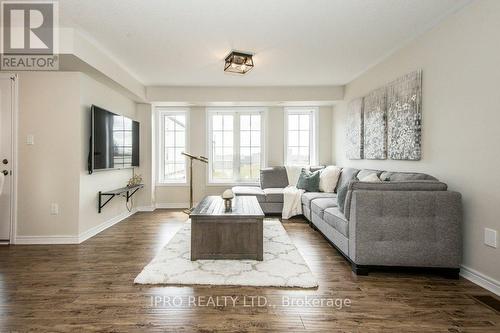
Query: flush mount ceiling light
x=238, y=62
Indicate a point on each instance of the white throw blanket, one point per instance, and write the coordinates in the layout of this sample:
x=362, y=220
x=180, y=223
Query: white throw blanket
x=292, y=202
x=292, y=196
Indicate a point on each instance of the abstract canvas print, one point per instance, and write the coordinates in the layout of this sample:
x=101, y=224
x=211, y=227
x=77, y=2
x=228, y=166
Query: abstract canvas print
x=404, y=111
x=354, y=134
x=375, y=125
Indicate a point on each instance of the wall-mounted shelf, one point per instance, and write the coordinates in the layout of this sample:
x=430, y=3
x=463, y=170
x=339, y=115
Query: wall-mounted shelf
x=129, y=190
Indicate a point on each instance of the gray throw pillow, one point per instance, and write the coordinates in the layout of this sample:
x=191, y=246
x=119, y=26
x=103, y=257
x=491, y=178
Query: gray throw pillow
x=341, y=196
x=308, y=181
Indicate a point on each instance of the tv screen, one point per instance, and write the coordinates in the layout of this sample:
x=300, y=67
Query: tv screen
x=114, y=141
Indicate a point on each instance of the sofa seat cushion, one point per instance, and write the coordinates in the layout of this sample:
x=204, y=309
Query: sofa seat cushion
x=319, y=205
x=250, y=190
x=274, y=194
x=337, y=220
x=310, y=196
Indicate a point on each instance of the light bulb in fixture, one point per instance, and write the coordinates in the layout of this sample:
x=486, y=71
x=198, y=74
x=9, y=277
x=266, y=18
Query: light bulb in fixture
x=238, y=62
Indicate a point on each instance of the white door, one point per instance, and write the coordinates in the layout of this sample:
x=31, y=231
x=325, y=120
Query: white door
x=6, y=155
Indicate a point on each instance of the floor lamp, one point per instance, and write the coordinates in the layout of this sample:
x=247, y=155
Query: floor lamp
x=191, y=158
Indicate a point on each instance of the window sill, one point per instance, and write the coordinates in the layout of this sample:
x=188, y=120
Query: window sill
x=213, y=184
x=172, y=185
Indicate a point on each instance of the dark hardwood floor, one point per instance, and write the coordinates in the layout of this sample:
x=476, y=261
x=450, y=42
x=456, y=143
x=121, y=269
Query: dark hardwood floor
x=89, y=287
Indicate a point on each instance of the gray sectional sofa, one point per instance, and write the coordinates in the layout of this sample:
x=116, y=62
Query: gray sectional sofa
x=408, y=220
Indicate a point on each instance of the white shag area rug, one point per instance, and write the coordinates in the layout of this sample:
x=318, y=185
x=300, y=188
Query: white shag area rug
x=283, y=265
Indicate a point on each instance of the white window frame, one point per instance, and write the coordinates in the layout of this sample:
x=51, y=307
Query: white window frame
x=313, y=133
x=160, y=149
x=237, y=110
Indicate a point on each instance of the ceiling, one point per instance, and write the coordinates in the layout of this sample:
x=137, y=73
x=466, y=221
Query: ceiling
x=295, y=42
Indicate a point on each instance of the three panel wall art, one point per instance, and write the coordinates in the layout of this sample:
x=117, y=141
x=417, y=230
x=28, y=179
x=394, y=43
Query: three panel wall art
x=387, y=122
x=354, y=139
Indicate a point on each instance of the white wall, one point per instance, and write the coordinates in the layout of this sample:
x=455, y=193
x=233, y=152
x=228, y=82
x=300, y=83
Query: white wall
x=48, y=170
x=55, y=108
x=178, y=196
x=93, y=92
x=461, y=113
x=146, y=196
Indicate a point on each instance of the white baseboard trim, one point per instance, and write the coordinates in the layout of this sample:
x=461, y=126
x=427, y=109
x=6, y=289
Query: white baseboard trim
x=172, y=205
x=51, y=240
x=105, y=225
x=46, y=240
x=480, y=279
x=146, y=208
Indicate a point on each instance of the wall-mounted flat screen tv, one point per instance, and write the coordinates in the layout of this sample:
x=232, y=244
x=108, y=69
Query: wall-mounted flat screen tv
x=114, y=141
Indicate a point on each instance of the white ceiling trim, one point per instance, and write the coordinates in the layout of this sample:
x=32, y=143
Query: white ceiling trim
x=318, y=95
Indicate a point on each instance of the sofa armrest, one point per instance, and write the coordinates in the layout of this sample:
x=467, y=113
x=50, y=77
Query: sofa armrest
x=411, y=185
x=406, y=185
x=406, y=228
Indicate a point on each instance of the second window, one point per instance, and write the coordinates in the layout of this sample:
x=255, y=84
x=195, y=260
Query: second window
x=235, y=139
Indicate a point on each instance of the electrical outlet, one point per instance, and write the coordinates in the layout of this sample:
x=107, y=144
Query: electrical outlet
x=490, y=237
x=54, y=209
x=30, y=139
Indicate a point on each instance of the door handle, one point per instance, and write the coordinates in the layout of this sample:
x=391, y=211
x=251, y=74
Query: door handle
x=5, y=161
x=5, y=173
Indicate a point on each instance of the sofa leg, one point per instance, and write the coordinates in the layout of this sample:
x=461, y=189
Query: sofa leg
x=359, y=270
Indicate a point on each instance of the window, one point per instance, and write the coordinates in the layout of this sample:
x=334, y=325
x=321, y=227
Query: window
x=250, y=140
x=122, y=141
x=222, y=139
x=172, y=142
x=300, y=136
x=235, y=138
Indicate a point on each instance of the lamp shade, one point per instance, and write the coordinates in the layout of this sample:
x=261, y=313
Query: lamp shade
x=238, y=62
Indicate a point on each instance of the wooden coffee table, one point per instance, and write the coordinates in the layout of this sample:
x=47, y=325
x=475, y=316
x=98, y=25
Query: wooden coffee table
x=217, y=234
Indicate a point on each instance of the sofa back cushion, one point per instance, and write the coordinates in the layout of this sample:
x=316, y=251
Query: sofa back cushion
x=404, y=176
x=329, y=178
x=274, y=177
x=368, y=172
x=372, y=177
x=342, y=196
x=346, y=176
x=316, y=168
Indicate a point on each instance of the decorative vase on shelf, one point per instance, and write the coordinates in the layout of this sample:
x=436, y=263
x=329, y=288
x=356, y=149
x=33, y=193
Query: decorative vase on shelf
x=134, y=181
x=228, y=197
